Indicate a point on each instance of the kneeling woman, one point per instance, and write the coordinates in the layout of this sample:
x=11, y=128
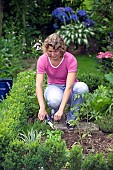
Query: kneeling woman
x=63, y=86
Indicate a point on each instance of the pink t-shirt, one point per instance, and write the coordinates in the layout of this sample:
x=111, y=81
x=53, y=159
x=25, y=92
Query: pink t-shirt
x=57, y=75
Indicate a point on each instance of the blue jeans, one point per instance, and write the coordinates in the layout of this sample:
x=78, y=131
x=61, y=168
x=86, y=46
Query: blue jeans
x=54, y=93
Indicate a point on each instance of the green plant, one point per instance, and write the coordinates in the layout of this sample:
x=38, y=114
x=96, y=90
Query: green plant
x=110, y=160
x=22, y=155
x=31, y=136
x=97, y=104
x=105, y=123
x=75, y=157
x=15, y=111
x=14, y=156
x=11, y=52
x=75, y=4
x=88, y=4
x=109, y=77
x=53, y=151
x=75, y=28
x=106, y=61
x=14, y=48
x=92, y=80
x=94, y=162
x=76, y=34
x=103, y=27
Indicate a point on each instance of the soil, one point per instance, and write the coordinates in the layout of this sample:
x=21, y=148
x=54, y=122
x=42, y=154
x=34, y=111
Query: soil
x=90, y=137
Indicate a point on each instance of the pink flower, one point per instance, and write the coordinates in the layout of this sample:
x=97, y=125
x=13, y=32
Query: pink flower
x=107, y=54
x=100, y=55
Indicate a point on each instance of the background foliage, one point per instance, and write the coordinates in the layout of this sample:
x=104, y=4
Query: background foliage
x=23, y=23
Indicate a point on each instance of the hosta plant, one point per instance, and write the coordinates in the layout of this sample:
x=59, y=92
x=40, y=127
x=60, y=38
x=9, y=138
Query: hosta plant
x=76, y=34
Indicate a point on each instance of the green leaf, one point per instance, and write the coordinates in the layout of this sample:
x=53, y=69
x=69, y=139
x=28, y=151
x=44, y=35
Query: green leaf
x=109, y=77
x=92, y=33
x=68, y=42
x=80, y=35
x=80, y=30
x=72, y=37
x=86, y=30
x=76, y=35
x=79, y=41
x=85, y=41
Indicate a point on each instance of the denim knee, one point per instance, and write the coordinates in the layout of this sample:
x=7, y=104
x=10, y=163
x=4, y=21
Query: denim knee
x=53, y=95
x=80, y=88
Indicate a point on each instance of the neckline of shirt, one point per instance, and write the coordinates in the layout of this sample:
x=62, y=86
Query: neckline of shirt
x=58, y=64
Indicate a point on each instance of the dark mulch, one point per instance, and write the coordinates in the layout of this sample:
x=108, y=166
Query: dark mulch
x=90, y=137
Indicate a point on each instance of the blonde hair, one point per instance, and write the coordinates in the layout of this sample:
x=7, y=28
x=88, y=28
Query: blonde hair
x=56, y=41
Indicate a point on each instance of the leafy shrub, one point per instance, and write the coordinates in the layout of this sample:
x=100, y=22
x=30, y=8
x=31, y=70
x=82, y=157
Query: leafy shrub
x=92, y=80
x=97, y=104
x=22, y=93
x=101, y=99
x=53, y=152
x=12, y=50
x=75, y=28
x=76, y=34
x=17, y=108
x=22, y=155
x=105, y=123
x=14, y=155
x=102, y=9
x=109, y=78
x=94, y=162
x=110, y=160
x=106, y=61
x=75, y=157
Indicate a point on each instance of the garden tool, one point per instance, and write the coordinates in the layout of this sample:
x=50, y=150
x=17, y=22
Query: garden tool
x=49, y=122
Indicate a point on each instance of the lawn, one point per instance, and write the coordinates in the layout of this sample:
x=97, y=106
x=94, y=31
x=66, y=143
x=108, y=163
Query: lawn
x=87, y=64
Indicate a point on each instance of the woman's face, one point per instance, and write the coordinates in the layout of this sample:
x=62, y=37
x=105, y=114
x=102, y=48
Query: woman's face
x=54, y=53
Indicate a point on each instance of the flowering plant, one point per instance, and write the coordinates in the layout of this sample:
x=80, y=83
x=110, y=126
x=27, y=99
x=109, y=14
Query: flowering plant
x=63, y=16
x=66, y=15
x=106, y=60
x=75, y=28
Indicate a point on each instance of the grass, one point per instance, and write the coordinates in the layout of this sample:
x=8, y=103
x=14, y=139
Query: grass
x=87, y=64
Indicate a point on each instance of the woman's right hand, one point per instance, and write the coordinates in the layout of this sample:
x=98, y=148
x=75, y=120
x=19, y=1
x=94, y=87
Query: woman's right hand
x=42, y=114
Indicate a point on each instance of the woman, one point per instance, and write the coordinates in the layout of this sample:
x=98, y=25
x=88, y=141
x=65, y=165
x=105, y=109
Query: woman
x=63, y=86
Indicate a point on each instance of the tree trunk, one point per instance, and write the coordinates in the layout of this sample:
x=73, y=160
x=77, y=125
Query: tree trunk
x=1, y=16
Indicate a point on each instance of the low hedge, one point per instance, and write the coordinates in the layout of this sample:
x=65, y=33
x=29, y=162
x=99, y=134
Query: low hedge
x=17, y=108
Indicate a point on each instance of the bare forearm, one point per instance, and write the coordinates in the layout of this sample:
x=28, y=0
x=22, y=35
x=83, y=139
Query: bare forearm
x=39, y=92
x=40, y=97
x=65, y=98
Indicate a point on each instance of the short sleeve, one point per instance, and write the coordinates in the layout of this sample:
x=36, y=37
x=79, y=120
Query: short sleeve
x=41, y=65
x=72, y=64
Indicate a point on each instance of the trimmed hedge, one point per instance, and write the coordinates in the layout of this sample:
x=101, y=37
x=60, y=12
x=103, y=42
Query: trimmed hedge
x=17, y=108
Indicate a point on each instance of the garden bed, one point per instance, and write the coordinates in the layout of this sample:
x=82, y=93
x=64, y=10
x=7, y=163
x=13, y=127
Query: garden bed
x=90, y=137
